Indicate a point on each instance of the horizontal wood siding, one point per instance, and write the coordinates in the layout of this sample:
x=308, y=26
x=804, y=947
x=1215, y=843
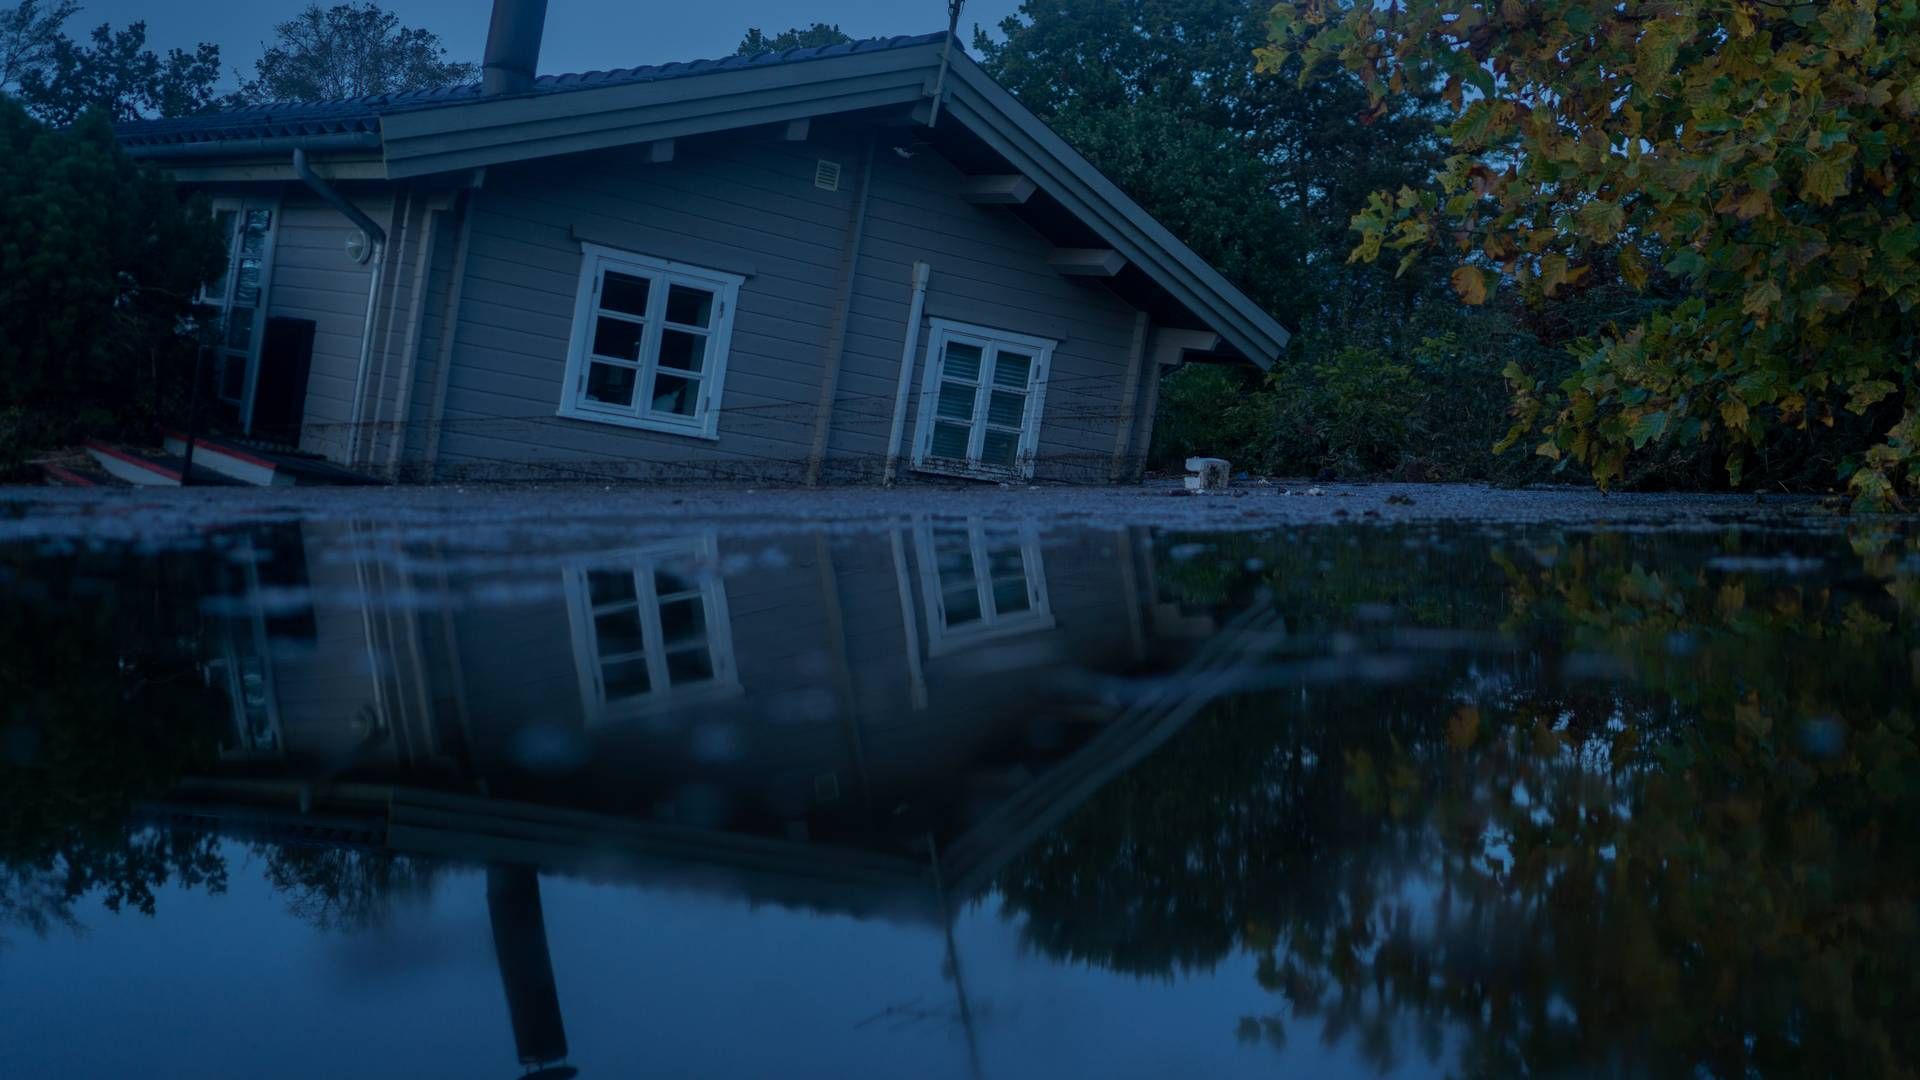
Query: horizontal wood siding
x=990, y=269
x=314, y=279
x=745, y=205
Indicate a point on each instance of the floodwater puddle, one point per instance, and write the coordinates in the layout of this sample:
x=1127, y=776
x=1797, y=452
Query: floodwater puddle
x=955, y=797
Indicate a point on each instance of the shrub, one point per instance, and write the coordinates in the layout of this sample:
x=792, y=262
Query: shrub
x=99, y=260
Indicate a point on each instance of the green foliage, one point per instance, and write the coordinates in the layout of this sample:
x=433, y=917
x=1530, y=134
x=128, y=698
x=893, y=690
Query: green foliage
x=99, y=260
x=755, y=43
x=348, y=51
x=116, y=75
x=1258, y=177
x=1424, y=401
x=1755, y=153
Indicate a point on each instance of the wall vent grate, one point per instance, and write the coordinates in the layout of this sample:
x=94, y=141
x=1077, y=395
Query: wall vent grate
x=826, y=176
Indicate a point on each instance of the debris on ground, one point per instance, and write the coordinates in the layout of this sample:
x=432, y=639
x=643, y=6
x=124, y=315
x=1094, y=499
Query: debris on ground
x=1209, y=474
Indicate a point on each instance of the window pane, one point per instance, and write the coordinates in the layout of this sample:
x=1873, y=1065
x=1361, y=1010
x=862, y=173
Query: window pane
x=618, y=632
x=949, y=441
x=963, y=362
x=611, y=385
x=1010, y=595
x=240, y=328
x=217, y=289
x=667, y=583
x=999, y=448
x=689, y=306
x=253, y=234
x=679, y=349
x=961, y=605
x=1004, y=557
x=1012, y=369
x=625, y=293
x=626, y=678
x=246, y=289
x=617, y=338
x=956, y=402
x=674, y=395
x=610, y=587
x=681, y=621
x=1006, y=409
x=689, y=665
x=953, y=558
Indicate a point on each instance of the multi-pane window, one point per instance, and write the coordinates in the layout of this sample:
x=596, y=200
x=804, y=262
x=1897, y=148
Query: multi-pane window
x=650, y=343
x=981, y=400
x=237, y=297
x=651, y=629
x=980, y=581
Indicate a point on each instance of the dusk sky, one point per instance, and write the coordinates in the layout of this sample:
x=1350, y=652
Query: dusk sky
x=581, y=34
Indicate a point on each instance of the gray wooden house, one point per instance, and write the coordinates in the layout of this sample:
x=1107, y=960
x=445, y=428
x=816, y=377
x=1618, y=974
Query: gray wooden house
x=859, y=262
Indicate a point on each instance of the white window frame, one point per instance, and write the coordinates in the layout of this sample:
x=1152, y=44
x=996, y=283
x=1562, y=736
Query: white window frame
x=943, y=639
x=701, y=555
x=945, y=331
x=595, y=261
x=224, y=302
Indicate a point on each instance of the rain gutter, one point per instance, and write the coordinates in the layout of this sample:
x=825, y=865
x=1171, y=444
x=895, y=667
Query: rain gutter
x=377, y=237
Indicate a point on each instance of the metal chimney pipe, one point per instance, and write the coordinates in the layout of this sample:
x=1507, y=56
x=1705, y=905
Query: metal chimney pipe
x=513, y=46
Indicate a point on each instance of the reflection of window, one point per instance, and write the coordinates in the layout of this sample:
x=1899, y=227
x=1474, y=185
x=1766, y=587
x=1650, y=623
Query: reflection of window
x=244, y=669
x=650, y=342
x=980, y=402
x=980, y=581
x=650, y=629
x=238, y=295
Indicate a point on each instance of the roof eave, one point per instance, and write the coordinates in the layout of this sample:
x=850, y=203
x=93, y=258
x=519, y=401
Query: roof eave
x=1015, y=133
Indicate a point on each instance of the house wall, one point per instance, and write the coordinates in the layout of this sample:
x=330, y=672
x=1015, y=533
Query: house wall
x=990, y=269
x=747, y=204
x=313, y=278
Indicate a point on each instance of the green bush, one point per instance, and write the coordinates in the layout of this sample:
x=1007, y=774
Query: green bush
x=99, y=260
x=1421, y=399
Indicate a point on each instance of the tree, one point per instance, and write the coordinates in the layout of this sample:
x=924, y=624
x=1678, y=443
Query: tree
x=100, y=257
x=1258, y=177
x=345, y=52
x=28, y=35
x=116, y=75
x=818, y=35
x=1754, y=157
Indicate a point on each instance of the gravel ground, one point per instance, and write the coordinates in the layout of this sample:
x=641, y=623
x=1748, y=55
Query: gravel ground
x=159, y=514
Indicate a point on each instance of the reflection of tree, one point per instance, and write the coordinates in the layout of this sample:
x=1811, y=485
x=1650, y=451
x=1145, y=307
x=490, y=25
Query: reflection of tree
x=104, y=705
x=344, y=888
x=1674, y=832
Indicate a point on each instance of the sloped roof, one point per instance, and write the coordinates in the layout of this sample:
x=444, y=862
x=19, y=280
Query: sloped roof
x=362, y=114
x=443, y=130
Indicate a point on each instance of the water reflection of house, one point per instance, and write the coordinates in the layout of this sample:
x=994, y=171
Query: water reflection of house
x=870, y=722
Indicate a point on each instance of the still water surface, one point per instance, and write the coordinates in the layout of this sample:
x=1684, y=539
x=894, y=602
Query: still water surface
x=953, y=798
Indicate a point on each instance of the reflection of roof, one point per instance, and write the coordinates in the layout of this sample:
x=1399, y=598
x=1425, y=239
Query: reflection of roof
x=362, y=114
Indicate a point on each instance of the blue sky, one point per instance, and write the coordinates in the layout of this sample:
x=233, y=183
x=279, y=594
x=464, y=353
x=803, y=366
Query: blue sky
x=581, y=34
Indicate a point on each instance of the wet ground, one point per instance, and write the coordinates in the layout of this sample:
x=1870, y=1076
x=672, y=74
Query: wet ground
x=1009, y=782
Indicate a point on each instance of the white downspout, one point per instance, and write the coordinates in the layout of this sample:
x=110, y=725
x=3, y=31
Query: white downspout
x=908, y=354
x=378, y=238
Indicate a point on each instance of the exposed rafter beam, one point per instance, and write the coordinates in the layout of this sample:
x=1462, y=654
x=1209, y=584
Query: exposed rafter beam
x=1169, y=346
x=660, y=152
x=796, y=130
x=1009, y=190
x=1087, y=262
